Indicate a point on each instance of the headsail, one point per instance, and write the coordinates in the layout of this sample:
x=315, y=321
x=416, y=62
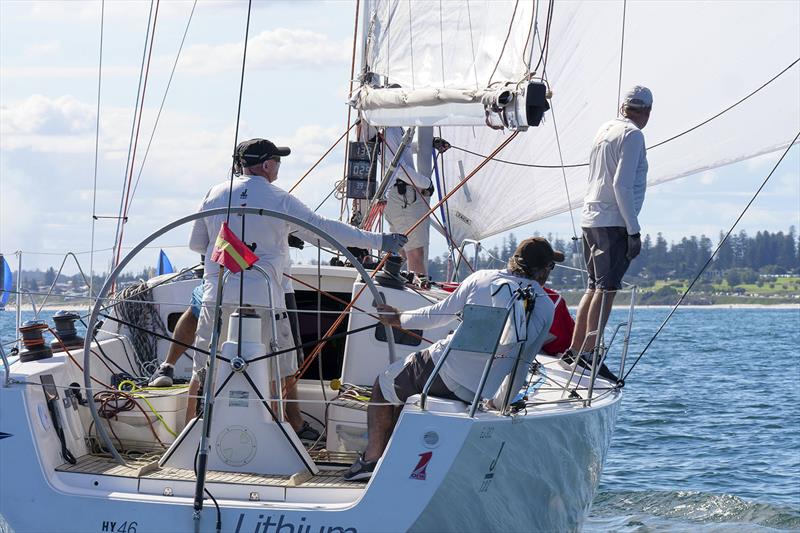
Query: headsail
x=5, y=282
x=695, y=68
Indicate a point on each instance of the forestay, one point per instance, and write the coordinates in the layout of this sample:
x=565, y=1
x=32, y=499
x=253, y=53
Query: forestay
x=698, y=58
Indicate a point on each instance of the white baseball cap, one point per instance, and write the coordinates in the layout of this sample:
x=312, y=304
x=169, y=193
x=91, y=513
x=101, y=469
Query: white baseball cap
x=638, y=96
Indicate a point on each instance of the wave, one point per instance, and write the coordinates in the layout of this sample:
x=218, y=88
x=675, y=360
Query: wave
x=692, y=507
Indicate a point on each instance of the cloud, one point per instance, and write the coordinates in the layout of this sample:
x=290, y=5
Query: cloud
x=39, y=114
x=282, y=48
x=43, y=48
x=708, y=177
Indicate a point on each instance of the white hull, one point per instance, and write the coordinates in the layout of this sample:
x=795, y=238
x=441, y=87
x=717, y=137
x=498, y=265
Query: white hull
x=537, y=470
x=543, y=480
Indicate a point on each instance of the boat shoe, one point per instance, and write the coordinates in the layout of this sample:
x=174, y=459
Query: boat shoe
x=162, y=377
x=360, y=470
x=585, y=361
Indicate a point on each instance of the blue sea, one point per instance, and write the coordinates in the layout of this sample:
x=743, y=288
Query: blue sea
x=708, y=436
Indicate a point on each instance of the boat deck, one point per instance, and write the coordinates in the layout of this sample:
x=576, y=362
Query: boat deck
x=333, y=465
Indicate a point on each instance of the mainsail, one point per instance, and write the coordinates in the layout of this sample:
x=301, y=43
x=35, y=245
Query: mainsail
x=698, y=58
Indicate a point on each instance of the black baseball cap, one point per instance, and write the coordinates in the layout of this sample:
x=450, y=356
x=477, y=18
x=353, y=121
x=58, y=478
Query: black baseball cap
x=536, y=252
x=256, y=151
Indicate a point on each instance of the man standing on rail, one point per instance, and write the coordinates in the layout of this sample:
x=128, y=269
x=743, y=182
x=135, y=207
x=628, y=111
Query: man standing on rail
x=408, y=199
x=256, y=165
x=611, y=233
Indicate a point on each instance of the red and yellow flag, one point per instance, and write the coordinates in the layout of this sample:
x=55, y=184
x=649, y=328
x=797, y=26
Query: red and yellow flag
x=230, y=252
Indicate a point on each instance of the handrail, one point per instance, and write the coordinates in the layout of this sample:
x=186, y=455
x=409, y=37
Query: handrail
x=102, y=433
x=484, y=375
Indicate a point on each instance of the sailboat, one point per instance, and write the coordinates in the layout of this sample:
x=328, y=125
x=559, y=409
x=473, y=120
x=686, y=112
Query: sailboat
x=517, y=88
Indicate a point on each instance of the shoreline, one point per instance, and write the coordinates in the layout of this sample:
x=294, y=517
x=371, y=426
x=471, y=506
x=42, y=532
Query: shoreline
x=795, y=306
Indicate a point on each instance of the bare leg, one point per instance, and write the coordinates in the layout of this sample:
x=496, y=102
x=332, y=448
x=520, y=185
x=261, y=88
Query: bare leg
x=293, y=415
x=579, y=333
x=596, y=321
x=416, y=260
x=380, y=423
x=191, y=402
x=184, y=332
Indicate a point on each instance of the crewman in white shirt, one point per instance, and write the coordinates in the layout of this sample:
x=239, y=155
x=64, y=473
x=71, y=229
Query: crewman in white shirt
x=460, y=374
x=257, y=163
x=614, y=197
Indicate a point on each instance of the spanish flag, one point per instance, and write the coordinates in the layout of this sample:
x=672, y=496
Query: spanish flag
x=230, y=252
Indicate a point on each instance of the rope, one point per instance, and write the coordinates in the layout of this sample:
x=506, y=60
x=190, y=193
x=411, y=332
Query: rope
x=566, y=184
x=350, y=304
x=145, y=347
x=714, y=253
x=298, y=182
x=665, y=141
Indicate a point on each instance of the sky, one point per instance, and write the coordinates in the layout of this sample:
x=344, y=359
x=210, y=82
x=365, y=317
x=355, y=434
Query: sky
x=295, y=90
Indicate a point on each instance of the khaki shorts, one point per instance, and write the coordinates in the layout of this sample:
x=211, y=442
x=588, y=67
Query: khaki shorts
x=287, y=362
x=406, y=378
x=403, y=211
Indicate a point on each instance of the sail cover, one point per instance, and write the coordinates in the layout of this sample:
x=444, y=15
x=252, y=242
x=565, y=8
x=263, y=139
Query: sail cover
x=698, y=59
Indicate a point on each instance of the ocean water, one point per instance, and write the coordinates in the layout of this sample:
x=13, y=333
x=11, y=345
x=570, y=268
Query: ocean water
x=708, y=435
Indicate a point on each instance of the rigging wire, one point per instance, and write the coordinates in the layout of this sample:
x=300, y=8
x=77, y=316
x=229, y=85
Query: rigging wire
x=713, y=254
x=337, y=141
x=96, y=150
x=349, y=109
x=136, y=136
x=621, y=52
x=163, y=101
x=133, y=126
x=575, y=237
x=239, y=112
x=660, y=143
x=505, y=43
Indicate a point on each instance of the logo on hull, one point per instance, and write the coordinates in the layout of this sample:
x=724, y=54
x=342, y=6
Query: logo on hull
x=5, y=435
x=419, y=470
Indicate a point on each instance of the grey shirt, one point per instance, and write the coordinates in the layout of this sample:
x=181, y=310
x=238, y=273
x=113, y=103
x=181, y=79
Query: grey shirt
x=617, y=177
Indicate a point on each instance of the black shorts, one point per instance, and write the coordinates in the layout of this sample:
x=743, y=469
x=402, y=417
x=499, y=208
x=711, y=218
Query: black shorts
x=412, y=378
x=606, y=254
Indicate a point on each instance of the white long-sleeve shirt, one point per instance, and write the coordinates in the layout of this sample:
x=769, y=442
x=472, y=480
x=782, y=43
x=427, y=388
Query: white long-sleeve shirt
x=617, y=177
x=461, y=371
x=270, y=236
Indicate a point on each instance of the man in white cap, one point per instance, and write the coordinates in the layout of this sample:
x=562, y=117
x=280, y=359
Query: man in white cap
x=256, y=165
x=614, y=197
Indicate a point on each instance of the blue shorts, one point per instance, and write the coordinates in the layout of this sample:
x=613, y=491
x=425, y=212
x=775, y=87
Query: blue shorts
x=197, y=300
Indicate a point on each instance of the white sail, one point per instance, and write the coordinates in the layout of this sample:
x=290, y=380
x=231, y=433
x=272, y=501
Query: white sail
x=698, y=58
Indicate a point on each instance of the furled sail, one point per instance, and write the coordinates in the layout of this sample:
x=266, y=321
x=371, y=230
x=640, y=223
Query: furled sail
x=698, y=59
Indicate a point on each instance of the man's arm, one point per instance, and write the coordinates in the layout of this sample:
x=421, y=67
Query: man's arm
x=344, y=233
x=625, y=177
x=438, y=314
